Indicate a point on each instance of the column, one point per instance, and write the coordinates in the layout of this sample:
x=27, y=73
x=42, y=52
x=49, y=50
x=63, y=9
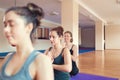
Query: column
x=70, y=18
x=99, y=35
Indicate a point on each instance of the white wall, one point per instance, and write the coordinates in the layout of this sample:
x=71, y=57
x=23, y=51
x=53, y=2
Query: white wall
x=42, y=44
x=112, y=36
x=79, y=35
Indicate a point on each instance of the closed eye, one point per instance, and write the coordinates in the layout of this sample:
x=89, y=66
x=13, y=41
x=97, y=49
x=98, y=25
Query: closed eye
x=5, y=24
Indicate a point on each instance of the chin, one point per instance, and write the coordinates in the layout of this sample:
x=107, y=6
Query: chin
x=53, y=44
x=12, y=42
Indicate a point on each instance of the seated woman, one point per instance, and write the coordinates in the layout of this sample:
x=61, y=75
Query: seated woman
x=73, y=50
x=25, y=63
x=59, y=55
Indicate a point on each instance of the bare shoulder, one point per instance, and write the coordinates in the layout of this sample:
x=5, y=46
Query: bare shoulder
x=42, y=62
x=44, y=69
x=74, y=47
x=42, y=58
x=66, y=51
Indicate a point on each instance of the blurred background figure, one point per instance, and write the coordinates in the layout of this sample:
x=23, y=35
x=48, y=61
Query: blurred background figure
x=73, y=50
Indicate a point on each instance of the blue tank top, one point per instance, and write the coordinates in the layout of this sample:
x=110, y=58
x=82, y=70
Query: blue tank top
x=60, y=75
x=23, y=73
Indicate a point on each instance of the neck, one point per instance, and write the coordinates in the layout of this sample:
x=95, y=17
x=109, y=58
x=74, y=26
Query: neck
x=58, y=46
x=68, y=43
x=24, y=48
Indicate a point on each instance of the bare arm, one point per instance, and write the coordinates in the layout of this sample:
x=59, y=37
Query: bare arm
x=67, y=66
x=75, y=53
x=44, y=68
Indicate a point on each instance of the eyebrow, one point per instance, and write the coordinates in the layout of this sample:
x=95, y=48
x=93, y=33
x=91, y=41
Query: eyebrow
x=8, y=21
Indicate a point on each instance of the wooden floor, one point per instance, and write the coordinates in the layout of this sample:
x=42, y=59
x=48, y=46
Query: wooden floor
x=105, y=63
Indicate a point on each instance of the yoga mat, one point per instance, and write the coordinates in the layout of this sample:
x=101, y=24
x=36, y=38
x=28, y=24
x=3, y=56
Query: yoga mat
x=84, y=76
x=83, y=50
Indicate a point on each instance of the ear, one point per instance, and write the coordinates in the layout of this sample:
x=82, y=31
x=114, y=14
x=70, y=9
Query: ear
x=29, y=28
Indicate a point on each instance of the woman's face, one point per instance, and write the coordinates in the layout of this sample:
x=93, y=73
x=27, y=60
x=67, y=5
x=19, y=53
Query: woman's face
x=54, y=38
x=14, y=28
x=67, y=37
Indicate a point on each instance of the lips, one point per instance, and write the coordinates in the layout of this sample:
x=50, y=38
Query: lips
x=52, y=43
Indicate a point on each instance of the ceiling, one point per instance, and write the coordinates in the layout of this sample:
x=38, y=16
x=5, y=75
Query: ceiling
x=90, y=11
x=106, y=10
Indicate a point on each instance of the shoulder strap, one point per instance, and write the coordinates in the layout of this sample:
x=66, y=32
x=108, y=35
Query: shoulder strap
x=25, y=67
x=62, y=50
x=72, y=46
x=50, y=49
x=5, y=64
x=31, y=58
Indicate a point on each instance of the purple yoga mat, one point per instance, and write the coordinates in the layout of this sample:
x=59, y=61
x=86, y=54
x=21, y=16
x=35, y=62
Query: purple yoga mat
x=84, y=76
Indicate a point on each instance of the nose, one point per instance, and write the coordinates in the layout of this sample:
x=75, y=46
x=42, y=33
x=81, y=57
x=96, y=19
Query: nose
x=65, y=37
x=51, y=38
x=6, y=29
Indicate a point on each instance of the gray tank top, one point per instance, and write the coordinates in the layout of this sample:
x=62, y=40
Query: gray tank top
x=23, y=73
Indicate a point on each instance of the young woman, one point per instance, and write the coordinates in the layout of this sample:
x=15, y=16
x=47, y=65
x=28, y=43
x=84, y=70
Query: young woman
x=73, y=50
x=59, y=55
x=26, y=63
